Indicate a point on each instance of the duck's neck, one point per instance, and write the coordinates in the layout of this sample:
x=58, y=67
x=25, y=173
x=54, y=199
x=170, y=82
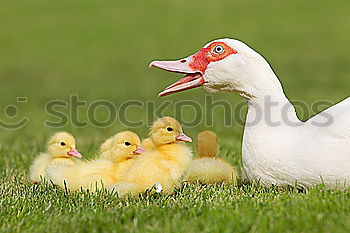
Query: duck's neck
x=270, y=125
x=265, y=94
x=258, y=80
x=271, y=110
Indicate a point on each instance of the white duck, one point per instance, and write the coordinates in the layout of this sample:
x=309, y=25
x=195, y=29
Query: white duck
x=277, y=147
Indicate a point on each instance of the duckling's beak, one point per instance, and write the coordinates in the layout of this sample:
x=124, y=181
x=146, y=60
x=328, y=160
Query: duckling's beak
x=184, y=138
x=138, y=150
x=74, y=153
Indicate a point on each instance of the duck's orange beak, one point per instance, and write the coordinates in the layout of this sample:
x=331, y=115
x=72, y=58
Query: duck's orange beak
x=74, y=153
x=184, y=138
x=193, y=78
x=138, y=150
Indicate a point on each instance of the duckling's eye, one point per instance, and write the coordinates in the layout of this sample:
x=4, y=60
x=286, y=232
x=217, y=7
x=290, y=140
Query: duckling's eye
x=169, y=129
x=127, y=144
x=62, y=143
x=218, y=49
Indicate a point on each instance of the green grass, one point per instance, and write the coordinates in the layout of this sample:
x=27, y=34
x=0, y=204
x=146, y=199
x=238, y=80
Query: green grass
x=99, y=50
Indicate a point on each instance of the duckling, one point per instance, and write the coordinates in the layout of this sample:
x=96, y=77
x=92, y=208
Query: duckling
x=110, y=149
x=115, y=155
x=61, y=150
x=148, y=144
x=121, y=149
x=207, y=144
x=208, y=168
x=165, y=165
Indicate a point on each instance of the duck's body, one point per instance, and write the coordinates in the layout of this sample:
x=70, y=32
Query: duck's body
x=277, y=147
x=305, y=155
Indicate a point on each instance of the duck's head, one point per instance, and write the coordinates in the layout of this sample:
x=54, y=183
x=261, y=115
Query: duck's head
x=221, y=65
x=125, y=143
x=62, y=144
x=167, y=130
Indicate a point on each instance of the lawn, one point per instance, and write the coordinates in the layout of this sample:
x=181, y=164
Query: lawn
x=98, y=52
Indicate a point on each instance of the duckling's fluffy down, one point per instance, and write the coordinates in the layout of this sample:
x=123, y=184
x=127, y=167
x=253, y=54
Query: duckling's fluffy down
x=211, y=170
x=167, y=165
x=87, y=175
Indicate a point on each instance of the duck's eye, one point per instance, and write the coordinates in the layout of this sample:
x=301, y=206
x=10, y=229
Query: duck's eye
x=62, y=143
x=218, y=49
x=169, y=129
x=127, y=144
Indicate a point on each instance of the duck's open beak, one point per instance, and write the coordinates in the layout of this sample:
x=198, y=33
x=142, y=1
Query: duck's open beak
x=193, y=78
x=138, y=150
x=74, y=153
x=184, y=138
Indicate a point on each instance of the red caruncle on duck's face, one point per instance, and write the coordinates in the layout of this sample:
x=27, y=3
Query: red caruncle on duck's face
x=216, y=51
x=194, y=66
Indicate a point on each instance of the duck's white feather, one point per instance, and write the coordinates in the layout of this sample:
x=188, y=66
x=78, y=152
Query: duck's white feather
x=277, y=147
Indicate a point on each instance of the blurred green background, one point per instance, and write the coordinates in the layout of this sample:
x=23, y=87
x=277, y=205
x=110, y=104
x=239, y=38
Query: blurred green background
x=100, y=50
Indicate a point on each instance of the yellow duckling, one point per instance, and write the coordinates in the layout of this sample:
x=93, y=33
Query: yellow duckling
x=61, y=150
x=208, y=168
x=111, y=150
x=148, y=144
x=121, y=149
x=207, y=144
x=164, y=166
x=116, y=153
